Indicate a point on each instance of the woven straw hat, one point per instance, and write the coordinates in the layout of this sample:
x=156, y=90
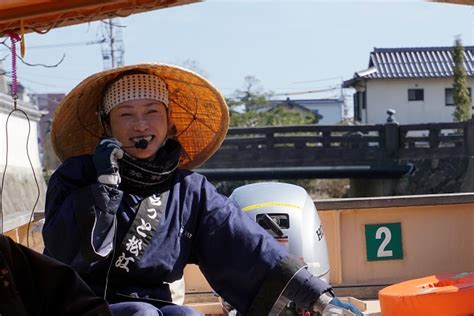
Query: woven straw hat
x=198, y=111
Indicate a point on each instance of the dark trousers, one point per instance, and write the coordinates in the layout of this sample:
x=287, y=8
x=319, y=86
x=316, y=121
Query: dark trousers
x=145, y=309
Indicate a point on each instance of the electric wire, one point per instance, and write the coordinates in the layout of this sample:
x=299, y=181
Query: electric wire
x=14, y=39
x=72, y=44
x=32, y=169
x=106, y=285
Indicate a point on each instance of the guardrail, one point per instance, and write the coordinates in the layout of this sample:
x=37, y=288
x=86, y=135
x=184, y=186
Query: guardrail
x=336, y=145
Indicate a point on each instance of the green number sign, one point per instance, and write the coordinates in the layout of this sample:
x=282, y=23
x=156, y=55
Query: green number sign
x=383, y=241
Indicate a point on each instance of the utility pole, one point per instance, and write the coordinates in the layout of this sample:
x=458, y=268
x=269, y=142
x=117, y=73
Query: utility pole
x=111, y=32
x=112, y=48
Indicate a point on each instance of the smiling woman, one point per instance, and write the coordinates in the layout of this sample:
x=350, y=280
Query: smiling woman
x=195, y=108
x=130, y=219
x=137, y=120
x=135, y=109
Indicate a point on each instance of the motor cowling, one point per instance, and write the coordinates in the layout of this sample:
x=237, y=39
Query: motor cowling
x=288, y=213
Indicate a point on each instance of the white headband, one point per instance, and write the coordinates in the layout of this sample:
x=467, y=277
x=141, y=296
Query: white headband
x=135, y=87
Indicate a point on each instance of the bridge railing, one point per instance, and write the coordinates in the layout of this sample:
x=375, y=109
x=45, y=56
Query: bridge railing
x=434, y=139
x=302, y=145
x=313, y=145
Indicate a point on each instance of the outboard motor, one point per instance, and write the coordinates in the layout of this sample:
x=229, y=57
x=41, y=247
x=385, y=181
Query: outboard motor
x=288, y=213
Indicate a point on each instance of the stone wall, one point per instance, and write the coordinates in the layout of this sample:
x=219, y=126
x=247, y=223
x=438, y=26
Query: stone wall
x=19, y=195
x=431, y=176
x=434, y=176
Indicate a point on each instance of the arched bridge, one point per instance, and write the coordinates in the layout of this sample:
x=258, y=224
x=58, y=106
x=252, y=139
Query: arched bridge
x=315, y=151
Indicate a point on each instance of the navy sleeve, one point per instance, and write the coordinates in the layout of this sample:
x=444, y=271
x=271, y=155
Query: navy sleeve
x=79, y=216
x=305, y=288
x=245, y=264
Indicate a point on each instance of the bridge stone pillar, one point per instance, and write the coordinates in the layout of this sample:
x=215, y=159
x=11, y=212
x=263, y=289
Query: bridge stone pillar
x=371, y=187
x=468, y=183
x=381, y=187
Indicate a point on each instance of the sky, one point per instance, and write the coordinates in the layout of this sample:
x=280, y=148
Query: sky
x=290, y=46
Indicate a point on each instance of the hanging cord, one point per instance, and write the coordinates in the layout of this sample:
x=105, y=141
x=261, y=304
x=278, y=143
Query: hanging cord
x=14, y=39
x=32, y=169
x=106, y=284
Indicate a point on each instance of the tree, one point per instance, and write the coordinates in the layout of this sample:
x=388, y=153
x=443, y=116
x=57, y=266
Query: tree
x=245, y=104
x=462, y=99
x=232, y=104
x=279, y=116
x=251, y=96
x=193, y=65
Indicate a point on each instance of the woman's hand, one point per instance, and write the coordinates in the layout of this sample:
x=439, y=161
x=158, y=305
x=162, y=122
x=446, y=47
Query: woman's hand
x=106, y=156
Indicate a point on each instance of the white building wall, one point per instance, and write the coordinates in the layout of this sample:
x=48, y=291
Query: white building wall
x=332, y=114
x=393, y=94
x=20, y=191
x=17, y=137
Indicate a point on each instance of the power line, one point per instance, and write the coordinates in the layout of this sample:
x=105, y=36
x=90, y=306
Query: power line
x=307, y=91
x=28, y=73
x=68, y=44
x=38, y=83
x=318, y=80
x=21, y=79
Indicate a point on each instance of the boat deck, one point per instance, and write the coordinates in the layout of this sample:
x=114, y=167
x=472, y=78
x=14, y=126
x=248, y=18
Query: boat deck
x=208, y=304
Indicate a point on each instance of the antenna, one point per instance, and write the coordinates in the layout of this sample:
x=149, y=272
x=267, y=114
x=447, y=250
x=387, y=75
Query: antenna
x=112, y=47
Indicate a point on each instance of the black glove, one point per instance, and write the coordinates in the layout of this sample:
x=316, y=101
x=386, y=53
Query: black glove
x=106, y=156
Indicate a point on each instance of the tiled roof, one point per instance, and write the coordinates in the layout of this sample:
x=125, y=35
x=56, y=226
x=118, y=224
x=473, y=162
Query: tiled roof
x=425, y=62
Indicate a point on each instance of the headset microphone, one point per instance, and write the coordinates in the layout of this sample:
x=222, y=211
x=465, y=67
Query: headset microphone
x=141, y=144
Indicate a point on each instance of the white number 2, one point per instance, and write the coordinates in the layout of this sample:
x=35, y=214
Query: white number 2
x=381, y=252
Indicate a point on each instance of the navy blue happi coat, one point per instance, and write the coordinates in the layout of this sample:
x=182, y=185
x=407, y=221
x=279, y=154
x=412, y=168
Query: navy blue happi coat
x=88, y=226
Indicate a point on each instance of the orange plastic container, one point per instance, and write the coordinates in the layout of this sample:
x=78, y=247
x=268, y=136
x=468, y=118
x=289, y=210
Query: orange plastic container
x=445, y=294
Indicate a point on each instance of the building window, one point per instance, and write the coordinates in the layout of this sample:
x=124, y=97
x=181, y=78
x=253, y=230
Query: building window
x=416, y=95
x=357, y=109
x=449, y=96
x=364, y=100
x=360, y=101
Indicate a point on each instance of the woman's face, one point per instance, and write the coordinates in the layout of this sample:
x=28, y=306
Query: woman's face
x=133, y=120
